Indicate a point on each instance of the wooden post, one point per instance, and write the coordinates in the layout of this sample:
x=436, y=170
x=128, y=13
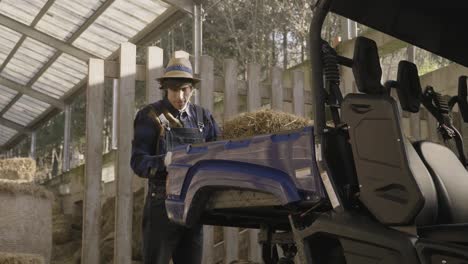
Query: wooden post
x=66, y=139
x=32, y=151
x=206, y=94
x=231, y=244
x=154, y=69
x=208, y=244
x=344, y=29
x=123, y=172
x=115, y=103
x=207, y=83
x=277, y=89
x=298, y=93
x=231, y=105
x=352, y=29
x=93, y=164
x=255, y=251
x=254, y=101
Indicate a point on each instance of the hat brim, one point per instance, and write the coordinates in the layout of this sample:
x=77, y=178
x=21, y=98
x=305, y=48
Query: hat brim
x=194, y=80
x=178, y=75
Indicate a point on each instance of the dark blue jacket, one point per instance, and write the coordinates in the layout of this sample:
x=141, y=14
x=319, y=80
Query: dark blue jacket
x=145, y=161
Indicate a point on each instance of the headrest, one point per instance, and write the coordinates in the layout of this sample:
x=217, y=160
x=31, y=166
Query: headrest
x=409, y=88
x=366, y=66
x=462, y=100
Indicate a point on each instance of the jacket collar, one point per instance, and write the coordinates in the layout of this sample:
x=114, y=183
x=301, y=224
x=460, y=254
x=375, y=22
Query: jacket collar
x=173, y=110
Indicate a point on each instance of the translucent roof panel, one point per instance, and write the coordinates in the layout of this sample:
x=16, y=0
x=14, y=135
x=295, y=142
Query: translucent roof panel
x=120, y=22
x=96, y=27
x=22, y=10
x=65, y=17
x=61, y=76
x=27, y=61
x=25, y=110
x=6, y=134
x=8, y=40
x=6, y=94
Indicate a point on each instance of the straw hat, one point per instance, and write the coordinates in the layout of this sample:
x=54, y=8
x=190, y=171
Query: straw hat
x=179, y=68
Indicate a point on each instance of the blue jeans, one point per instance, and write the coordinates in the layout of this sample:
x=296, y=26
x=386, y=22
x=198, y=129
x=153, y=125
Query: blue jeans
x=163, y=239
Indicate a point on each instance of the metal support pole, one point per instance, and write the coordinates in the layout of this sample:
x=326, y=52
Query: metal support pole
x=32, y=151
x=66, y=139
x=115, y=102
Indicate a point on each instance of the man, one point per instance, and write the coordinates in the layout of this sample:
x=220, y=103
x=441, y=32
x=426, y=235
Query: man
x=158, y=128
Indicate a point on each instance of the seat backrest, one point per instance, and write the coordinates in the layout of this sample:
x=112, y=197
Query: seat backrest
x=394, y=184
x=448, y=173
x=451, y=180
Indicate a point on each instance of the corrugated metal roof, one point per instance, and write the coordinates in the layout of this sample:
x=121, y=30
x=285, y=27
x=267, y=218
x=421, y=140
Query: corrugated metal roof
x=65, y=17
x=27, y=61
x=23, y=11
x=121, y=21
x=6, y=134
x=8, y=40
x=97, y=27
x=61, y=76
x=6, y=95
x=25, y=110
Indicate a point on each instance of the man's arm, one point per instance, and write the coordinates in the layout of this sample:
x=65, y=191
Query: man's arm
x=145, y=161
x=213, y=133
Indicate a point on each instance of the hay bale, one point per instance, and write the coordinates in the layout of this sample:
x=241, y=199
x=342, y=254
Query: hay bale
x=18, y=258
x=108, y=225
x=18, y=169
x=15, y=188
x=25, y=219
x=264, y=121
x=9, y=174
x=61, y=229
x=68, y=253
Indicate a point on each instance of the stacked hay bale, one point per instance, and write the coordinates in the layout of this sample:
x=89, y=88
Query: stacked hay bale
x=264, y=121
x=26, y=214
x=18, y=169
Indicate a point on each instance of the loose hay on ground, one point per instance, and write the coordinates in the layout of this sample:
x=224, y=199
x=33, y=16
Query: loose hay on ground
x=15, y=258
x=262, y=122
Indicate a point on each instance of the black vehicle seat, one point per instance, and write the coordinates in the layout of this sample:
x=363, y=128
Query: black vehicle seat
x=448, y=173
x=395, y=185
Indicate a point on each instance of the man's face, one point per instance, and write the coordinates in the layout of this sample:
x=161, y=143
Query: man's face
x=179, y=96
